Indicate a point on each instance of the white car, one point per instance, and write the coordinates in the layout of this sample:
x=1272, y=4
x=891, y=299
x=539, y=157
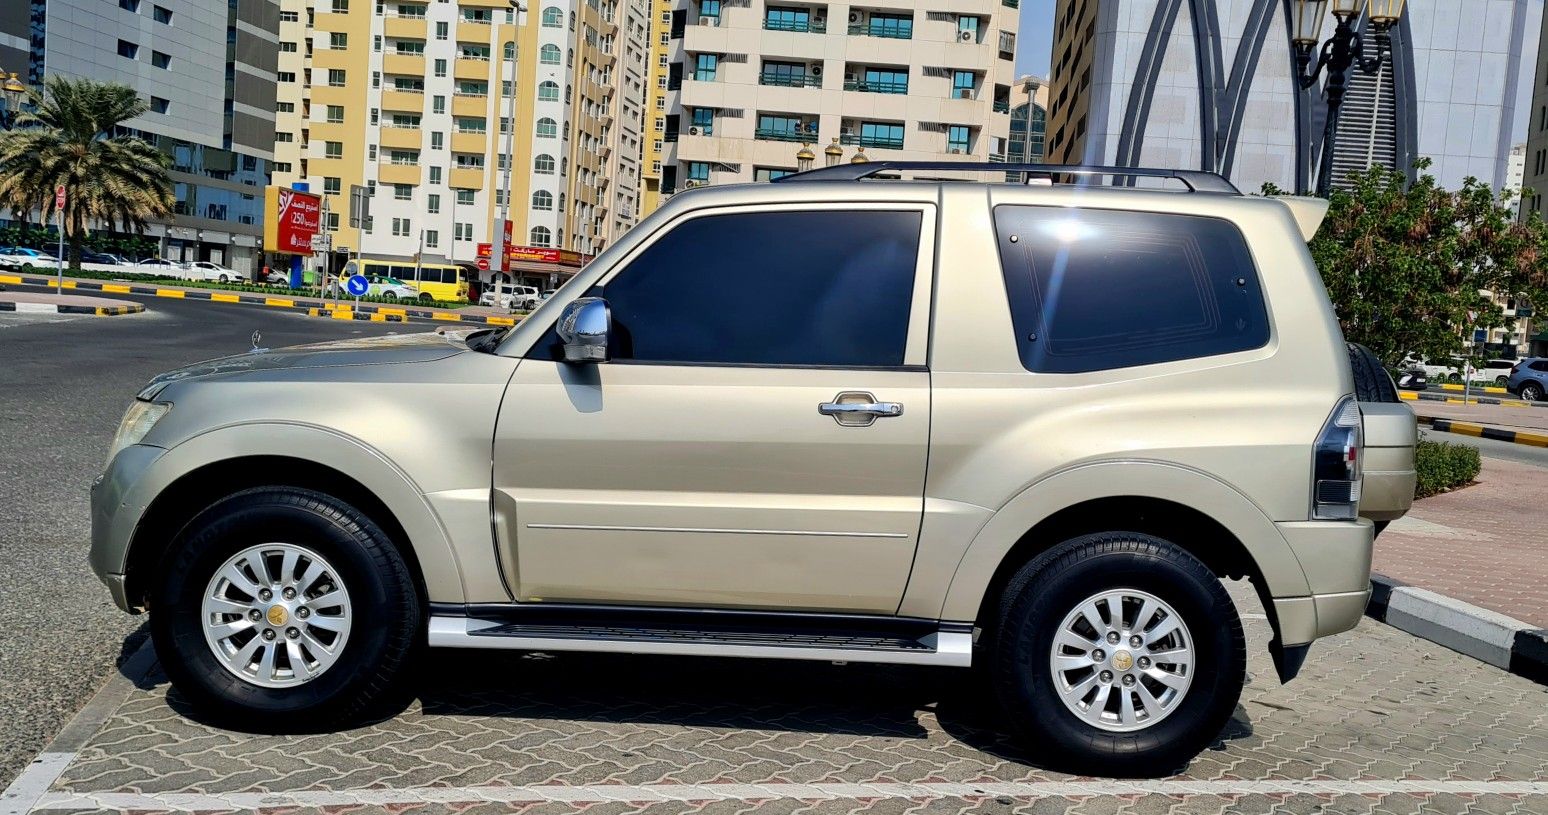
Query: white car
x=1496, y=371
x=521, y=297
x=26, y=259
x=205, y=270
x=160, y=266
x=391, y=288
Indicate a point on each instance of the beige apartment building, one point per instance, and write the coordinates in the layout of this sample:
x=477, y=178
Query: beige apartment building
x=756, y=90
x=412, y=100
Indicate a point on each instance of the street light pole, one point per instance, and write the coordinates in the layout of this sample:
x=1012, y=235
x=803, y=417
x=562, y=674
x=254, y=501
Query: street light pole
x=1338, y=55
x=11, y=91
x=497, y=257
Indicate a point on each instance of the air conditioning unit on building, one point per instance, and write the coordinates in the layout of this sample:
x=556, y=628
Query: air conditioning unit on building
x=964, y=93
x=691, y=183
x=693, y=131
x=966, y=36
x=955, y=151
x=856, y=17
x=816, y=70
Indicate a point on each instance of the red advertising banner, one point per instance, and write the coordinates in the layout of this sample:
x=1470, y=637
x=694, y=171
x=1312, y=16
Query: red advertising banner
x=291, y=218
x=539, y=254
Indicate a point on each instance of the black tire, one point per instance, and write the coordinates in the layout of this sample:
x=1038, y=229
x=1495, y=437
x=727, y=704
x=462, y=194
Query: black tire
x=389, y=295
x=426, y=298
x=225, y=279
x=1036, y=601
x=1532, y=392
x=1501, y=381
x=1453, y=377
x=1372, y=382
x=386, y=609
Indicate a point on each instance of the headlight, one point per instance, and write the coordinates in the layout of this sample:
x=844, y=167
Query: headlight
x=138, y=421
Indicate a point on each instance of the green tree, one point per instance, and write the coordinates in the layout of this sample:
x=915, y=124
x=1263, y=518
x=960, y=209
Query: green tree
x=1405, y=262
x=66, y=137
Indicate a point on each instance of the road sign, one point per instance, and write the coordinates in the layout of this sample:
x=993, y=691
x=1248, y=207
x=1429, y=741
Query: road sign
x=59, y=197
x=483, y=264
x=357, y=285
x=322, y=242
x=359, y=206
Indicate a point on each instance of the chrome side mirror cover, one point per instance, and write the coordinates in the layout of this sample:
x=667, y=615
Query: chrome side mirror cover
x=583, y=328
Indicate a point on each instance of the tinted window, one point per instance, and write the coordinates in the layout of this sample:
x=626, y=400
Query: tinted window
x=825, y=288
x=1096, y=289
x=1540, y=365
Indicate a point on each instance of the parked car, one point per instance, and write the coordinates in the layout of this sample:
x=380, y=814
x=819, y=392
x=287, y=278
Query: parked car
x=205, y=270
x=100, y=258
x=1529, y=379
x=854, y=448
x=160, y=266
x=1412, y=379
x=26, y=259
x=391, y=288
x=1450, y=370
x=277, y=277
x=509, y=296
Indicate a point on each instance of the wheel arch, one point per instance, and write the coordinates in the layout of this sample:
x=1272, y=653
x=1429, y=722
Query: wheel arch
x=195, y=474
x=1199, y=513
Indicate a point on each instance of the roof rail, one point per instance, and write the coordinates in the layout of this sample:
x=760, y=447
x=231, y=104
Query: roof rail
x=1196, y=180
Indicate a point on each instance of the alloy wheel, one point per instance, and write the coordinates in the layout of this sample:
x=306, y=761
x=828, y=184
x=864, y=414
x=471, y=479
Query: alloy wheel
x=1122, y=660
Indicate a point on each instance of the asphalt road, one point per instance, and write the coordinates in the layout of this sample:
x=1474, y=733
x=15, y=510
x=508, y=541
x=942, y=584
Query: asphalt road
x=64, y=383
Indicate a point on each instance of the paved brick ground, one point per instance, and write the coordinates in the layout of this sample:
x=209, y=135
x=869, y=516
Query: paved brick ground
x=1378, y=722
x=1486, y=544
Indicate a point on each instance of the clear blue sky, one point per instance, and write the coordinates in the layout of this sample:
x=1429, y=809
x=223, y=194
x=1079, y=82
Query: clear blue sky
x=1034, y=43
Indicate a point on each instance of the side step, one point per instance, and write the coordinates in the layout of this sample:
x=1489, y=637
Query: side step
x=719, y=634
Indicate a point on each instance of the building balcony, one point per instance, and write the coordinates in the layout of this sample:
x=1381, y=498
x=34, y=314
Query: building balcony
x=412, y=101
x=466, y=178
x=886, y=32
x=877, y=142
x=775, y=134
x=864, y=86
x=387, y=173
x=797, y=26
x=402, y=138
x=469, y=142
x=404, y=28
x=1002, y=106
x=474, y=32
x=470, y=105
x=408, y=64
x=781, y=80
x=471, y=68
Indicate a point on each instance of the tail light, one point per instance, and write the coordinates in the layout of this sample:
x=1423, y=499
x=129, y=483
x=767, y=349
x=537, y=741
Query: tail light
x=1336, y=465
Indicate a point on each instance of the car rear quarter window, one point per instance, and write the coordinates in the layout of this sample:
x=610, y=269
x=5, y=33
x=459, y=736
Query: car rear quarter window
x=821, y=288
x=1540, y=365
x=1093, y=290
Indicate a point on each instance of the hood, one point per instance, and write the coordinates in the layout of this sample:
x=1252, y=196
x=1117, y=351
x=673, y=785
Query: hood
x=426, y=347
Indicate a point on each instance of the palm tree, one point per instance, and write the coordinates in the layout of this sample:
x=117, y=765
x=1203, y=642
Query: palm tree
x=65, y=136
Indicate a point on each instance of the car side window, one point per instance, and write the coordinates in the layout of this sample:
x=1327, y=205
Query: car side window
x=1540, y=365
x=821, y=288
x=1093, y=290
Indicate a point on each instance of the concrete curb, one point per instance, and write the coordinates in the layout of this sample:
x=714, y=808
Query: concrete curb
x=1482, y=432
x=1413, y=396
x=364, y=312
x=1485, y=635
x=58, y=308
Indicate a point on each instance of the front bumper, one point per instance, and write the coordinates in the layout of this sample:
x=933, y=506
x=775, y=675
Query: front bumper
x=115, y=512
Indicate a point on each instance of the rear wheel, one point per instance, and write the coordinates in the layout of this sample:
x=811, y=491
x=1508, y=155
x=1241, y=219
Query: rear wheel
x=225, y=279
x=1532, y=392
x=283, y=609
x=426, y=298
x=1118, y=654
x=389, y=295
x=1501, y=381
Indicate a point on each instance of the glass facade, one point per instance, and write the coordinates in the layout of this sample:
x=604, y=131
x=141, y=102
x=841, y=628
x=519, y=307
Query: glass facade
x=237, y=198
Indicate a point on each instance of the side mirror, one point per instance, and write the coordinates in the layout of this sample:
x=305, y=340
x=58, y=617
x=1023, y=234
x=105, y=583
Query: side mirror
x=583, y=328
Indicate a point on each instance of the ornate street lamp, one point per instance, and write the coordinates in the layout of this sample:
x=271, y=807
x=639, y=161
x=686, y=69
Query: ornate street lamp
x=859, y=157
x=11, y=90
x=805, y=158
x=1344, y=51
x=834, y=153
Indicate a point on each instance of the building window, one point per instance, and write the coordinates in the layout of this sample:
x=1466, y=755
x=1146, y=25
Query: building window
x=549, y=54
x=957, y=139
x=287, y=48
x=705, y=66
x=335, y=77
x=890, y=26
x=402, y=228
x=371, y=152
x=437, y=139
x=438, y=104
x=963, y=84
x=336, y=114
x=543, y=200
x=407, y=158
x=281, y=166
x=284, y=138
x=967, y=29
x=469, y=161
x=284, y=107
x=340, y=6
x=543, y=164
x=699, y=171
x=881, y=135
x=332, y=186
x=547, y=128
x=411, y=48
x=162, y=14
x=161, y=60
x=469, y=124
x=290, y=17
x=464, y=232
x=442, y=30
x=541, y=236
x=553, y=17
x=159, y=105
x=402, y=192
x=548, y=91
x=770, y=173
x=435, y=174
x=703, y=120
x=440, y=67
x=432, y=238
x=338, y=40
x=465, y=199
x=406, y=121
x=433, y=203
x=127, y=49
x=333, y=149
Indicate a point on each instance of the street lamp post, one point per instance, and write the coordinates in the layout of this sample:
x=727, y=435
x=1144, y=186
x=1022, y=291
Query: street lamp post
x=804, y=158
x=497, y=241
x=1344, y=51
x=11, y=91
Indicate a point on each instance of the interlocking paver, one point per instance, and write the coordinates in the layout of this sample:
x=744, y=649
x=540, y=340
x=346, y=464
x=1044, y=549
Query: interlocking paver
x=1375, y=705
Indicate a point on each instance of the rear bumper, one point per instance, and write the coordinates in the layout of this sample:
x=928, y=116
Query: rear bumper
x=1336, y=558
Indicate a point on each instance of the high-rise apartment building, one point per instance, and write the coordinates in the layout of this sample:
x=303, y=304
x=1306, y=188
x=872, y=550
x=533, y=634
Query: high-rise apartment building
x=751, y=82
x=414, y=101
x=655, y=104
x=1535, y=159
x=1211, y=84
x=207, y=70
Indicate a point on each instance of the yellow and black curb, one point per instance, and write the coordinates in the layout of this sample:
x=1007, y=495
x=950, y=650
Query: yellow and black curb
x=1413, y=396
x=1452, y=386
x=59, y=308
x=342, y=311
x=1482, y=432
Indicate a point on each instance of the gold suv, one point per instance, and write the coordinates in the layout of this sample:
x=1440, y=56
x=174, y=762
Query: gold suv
x=1029, y=427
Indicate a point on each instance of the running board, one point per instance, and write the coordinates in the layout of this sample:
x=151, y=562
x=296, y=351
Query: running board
x=946, y=645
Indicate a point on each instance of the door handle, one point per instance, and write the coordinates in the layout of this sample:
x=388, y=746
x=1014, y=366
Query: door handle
x=858, y=409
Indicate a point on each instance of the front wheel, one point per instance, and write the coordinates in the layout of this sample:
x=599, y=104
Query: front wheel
x=1532, y=392
x=283, y=609
x=389, y=295
x=426, y=298
x=1118, y=654
x=225, y=279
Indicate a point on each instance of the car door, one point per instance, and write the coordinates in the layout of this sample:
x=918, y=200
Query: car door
x=758, y=438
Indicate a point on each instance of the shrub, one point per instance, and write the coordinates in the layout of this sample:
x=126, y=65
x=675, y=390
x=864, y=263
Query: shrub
x=1444, y=466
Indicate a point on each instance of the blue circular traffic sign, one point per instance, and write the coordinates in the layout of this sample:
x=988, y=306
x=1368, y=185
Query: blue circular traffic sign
x=357, y=285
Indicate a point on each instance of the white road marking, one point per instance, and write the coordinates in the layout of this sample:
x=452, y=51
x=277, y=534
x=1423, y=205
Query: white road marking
x=653, y=793
x=33, y=782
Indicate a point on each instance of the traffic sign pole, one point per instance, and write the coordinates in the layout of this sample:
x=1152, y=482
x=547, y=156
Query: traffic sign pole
x=59, y=202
